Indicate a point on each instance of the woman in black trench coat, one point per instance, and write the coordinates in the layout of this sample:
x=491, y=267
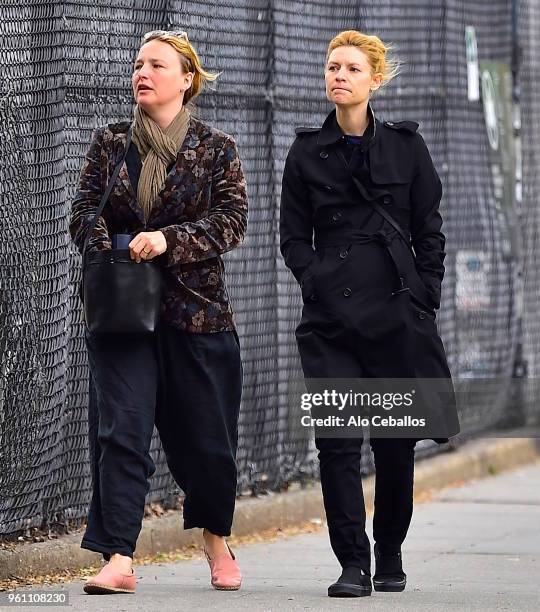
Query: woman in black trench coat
x=350, y=188
x=181, y=196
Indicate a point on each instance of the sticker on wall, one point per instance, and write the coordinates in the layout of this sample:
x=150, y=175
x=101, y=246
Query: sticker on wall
x=471, y=51
x=496, y=81
x=472, y=280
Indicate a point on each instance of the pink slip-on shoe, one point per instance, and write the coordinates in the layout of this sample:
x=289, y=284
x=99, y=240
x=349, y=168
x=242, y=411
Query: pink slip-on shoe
x=225, y=572
x=110, y=580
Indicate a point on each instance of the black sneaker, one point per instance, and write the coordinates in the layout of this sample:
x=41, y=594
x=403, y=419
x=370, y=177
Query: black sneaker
x=389, y=574
x=353, y=582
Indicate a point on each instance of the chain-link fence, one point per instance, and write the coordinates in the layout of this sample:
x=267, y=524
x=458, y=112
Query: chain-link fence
x=65, y=68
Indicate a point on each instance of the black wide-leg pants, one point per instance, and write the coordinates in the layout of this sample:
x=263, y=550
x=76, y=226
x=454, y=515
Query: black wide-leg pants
x=189, y=385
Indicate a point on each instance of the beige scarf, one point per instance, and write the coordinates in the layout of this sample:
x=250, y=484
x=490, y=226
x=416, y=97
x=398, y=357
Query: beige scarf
x=157, y=148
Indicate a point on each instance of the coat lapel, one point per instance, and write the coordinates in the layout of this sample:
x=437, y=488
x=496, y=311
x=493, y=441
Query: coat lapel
x=125, y=186
x=181, y=175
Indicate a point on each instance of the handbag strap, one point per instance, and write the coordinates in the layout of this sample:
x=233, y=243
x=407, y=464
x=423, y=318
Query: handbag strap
x=107, y=192
x=385, y=214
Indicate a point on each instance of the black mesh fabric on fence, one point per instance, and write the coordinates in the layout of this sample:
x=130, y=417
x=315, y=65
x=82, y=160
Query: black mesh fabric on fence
x=529, y=80
x=65, y=68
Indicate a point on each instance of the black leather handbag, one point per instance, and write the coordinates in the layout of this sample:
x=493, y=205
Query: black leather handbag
x=119, y=295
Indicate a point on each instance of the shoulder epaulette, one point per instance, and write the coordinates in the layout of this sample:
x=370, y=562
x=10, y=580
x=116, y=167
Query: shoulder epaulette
x=306, y=130
x=409, y=126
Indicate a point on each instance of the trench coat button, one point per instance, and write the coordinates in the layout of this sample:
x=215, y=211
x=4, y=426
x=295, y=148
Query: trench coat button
x=347, y=292
x=422, y=315
x=324, y=154
x=336, y=216
x=329, y=188
x=387, y=199
x=343, y=254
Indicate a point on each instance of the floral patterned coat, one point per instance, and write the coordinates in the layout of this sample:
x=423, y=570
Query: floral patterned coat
x=201, y=210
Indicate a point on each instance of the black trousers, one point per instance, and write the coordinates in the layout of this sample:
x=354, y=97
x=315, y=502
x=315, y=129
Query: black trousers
x=344, y=497
x=189, y=386
x=330, y=350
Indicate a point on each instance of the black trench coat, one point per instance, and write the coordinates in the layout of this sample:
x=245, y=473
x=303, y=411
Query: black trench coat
x=369, y=303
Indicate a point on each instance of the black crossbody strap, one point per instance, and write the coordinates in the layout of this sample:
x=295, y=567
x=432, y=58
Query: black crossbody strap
x=384, y=213
x=106, y=194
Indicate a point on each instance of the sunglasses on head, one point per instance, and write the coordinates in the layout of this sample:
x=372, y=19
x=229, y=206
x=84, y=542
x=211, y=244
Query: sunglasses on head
x=179, y=33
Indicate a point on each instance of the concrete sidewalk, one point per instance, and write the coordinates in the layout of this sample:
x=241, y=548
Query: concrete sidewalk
x=474, y=547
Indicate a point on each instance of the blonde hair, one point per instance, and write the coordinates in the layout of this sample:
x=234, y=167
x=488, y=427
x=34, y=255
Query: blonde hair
x=188, y=58
x=373, y=47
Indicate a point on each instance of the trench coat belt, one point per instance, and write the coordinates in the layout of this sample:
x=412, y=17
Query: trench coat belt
x=347, y=237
